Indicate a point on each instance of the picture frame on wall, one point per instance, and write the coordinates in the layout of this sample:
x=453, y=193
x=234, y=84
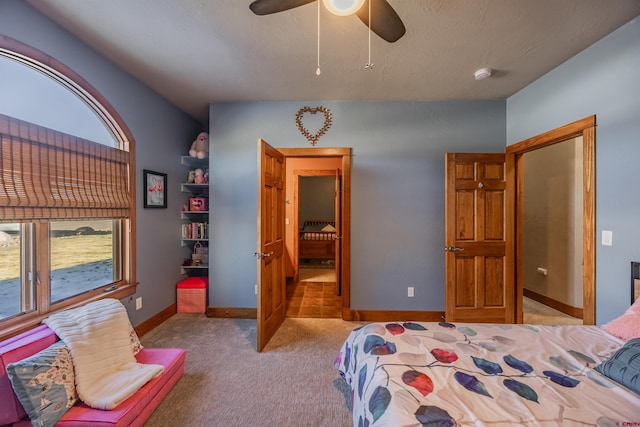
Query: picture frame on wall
x=155, y=184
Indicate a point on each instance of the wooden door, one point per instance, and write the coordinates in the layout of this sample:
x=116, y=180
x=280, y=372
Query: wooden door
x=479, y=244
x=338, y=222
x=271, y=243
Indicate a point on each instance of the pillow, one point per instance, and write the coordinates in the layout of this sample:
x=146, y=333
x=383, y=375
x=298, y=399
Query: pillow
x=45, y=384
x=626, y=326
x=623, y=366
x=134, y=341
x=329, y=227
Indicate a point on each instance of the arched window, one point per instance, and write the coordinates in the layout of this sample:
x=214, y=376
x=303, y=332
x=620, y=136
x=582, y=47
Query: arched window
x=67, y=192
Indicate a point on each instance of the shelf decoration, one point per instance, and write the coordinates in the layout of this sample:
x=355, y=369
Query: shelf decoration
x=313, y=139
x=200, y=255
x=195, y=217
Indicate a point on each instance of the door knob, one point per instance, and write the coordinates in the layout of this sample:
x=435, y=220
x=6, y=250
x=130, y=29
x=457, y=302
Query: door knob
x=453, y=249
x=260, y=255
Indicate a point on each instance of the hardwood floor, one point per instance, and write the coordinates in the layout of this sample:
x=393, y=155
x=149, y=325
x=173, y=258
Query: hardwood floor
x=313, y=299
x=319, y=300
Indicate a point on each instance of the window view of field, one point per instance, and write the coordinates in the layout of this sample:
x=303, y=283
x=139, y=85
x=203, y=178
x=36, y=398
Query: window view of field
x=81, y=260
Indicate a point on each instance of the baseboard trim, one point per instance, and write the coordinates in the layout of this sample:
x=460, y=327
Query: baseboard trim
x=156, y=320
x=347, y=314
x=555, y=304
x=232, y=312
x=390, y=316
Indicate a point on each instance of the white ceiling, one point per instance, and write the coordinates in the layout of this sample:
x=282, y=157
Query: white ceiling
x=194, y=52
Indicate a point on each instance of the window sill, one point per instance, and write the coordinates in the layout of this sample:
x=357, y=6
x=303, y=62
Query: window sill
x=24, y=322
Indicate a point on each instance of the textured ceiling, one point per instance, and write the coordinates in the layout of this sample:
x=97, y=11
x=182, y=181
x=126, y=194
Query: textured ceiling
x=194, y=52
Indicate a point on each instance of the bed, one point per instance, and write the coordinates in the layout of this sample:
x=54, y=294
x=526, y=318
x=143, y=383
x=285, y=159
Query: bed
x=445, y=374
x=316, y=239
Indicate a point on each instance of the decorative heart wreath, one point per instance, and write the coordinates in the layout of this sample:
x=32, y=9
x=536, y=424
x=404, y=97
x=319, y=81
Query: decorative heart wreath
x=313, y=139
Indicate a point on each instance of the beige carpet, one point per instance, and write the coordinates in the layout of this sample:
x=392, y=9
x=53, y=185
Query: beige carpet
x=226, y=383
x=308, y=274
x=292, y=383
x=535, y=313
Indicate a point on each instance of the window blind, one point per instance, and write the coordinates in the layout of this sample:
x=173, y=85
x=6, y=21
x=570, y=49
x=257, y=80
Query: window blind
x=48, y=174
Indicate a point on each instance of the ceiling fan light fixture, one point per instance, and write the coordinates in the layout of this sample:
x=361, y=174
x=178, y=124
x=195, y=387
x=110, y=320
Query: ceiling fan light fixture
x=343, y=7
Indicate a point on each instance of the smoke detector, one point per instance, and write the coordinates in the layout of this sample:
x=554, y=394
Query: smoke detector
x=482, y=73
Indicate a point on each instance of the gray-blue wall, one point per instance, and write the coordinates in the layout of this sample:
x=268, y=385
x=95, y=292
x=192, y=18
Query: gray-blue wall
x=397, y=214
x=162, y=134
x=398, y=169
x=603, y=80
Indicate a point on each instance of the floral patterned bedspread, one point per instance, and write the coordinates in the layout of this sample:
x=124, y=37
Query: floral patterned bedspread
x=444, y=374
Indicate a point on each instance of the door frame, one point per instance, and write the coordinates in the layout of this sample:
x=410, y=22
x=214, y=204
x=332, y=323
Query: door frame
x=296, y=204
x=345, y=154
x=586, y=128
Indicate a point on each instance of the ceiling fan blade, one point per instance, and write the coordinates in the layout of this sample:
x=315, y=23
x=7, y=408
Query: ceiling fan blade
x=385, y=22
x=266, y=7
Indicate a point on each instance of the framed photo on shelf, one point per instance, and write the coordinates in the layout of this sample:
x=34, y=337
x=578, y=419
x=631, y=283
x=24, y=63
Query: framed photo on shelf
x=155, y=184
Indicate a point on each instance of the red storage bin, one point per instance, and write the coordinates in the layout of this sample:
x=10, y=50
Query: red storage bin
x=192, y=295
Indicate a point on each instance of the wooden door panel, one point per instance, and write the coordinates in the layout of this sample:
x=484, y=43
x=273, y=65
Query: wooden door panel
x=494, y=211
x=271, y=225
x=473, y=249
x=266, y=297
x=495, y=171
x=465, y=171
x=480, y=282
x=465, y=284
x=465, y=220
x=494, y=282
x=267, y=226
x=477, y=258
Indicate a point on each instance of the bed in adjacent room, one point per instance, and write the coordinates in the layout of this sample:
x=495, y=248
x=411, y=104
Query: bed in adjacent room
x=316, y=239
x=445, y=374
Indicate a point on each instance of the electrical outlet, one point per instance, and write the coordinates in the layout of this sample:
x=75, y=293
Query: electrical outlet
x=138, y=303
x=410, y=291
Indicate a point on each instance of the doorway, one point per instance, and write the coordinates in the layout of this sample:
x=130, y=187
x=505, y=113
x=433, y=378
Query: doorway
x=321, y=297
x=552, y=230
x=272, y=251
x=314, y=290
x=585, y=129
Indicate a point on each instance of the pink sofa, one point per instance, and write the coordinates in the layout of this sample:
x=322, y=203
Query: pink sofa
x=132, y=412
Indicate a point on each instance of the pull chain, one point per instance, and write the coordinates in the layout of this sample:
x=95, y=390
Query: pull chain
x=369, y=64
x=318, y=69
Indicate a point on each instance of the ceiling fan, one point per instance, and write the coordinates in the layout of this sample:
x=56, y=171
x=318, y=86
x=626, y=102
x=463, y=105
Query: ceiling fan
x=385, y=22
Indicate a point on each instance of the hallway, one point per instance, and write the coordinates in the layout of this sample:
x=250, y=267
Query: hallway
x=315, y=299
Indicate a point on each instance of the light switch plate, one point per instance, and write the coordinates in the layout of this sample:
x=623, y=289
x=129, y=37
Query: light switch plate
x=607, y=238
